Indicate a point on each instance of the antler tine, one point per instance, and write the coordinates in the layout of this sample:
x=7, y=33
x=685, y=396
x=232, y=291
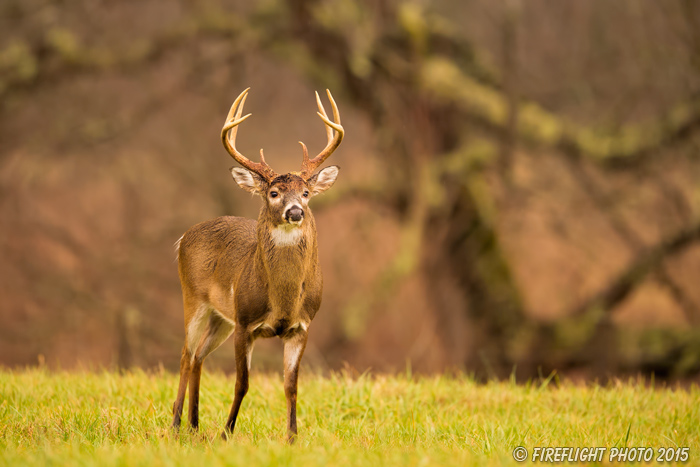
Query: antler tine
x=228, y=137
x=308, y=167
x=323, y=114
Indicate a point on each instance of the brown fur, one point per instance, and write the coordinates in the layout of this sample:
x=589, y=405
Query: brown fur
x=236, y=279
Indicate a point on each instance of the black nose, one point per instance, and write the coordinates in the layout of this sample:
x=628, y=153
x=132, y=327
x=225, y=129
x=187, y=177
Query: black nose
x=294, y=214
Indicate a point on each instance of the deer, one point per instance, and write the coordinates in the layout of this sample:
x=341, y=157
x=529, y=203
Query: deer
x=254, y=279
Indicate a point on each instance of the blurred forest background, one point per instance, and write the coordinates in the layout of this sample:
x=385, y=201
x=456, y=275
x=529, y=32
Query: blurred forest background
x=520, y=184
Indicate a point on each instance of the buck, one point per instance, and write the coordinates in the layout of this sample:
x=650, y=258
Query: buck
x=254, y=279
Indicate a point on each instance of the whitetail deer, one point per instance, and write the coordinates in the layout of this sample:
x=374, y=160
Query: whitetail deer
x=254, y=279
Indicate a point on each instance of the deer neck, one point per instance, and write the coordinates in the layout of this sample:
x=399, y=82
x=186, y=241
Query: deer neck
x=287, y=256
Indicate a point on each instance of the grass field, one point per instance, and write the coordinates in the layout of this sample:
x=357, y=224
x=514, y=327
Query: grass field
x=103, y=418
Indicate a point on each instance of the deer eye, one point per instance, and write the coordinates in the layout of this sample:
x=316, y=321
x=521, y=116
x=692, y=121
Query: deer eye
x=306, y=193
x=273, y=194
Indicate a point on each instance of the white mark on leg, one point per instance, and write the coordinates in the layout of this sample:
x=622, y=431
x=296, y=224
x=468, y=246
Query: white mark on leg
x=299, y=324
x=197, y=326
x=292, y=354
x=249, y=357
x=216, y=330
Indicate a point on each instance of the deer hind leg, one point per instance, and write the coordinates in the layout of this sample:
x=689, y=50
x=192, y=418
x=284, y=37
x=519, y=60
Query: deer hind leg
x=243, y=342
x=293, y=350
x=182, y=387
x=216, y=332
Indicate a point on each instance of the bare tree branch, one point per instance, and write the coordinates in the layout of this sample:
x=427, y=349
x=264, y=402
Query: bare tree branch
x=607, y=206
x=629, y=279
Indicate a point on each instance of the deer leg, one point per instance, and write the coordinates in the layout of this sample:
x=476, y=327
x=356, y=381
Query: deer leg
x=195, y=377
x=182, y=387
x=216, y=333
x=293, y=350
x=243, y=344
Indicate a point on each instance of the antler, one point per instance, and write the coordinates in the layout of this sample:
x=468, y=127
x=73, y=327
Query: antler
x=308, y=167
x=228, y=137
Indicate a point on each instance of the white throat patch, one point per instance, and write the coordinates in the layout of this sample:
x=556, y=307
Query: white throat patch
x=286, y=235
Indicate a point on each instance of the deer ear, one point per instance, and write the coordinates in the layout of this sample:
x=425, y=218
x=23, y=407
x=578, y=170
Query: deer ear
x=249, y=181
x=323, y=180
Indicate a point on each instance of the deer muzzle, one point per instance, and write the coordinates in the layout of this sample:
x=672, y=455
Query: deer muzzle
x=294, y=215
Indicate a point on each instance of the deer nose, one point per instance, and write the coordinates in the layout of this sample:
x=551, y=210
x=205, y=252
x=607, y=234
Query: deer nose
x=294, y=214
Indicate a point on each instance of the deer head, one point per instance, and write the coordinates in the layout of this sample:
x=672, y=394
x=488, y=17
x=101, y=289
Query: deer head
x=286, y=196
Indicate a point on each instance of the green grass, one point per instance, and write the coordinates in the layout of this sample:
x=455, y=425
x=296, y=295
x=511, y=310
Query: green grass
x=103, y=418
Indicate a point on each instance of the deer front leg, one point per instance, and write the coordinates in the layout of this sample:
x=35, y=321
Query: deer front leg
x=243, y=344
x=293, y=350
